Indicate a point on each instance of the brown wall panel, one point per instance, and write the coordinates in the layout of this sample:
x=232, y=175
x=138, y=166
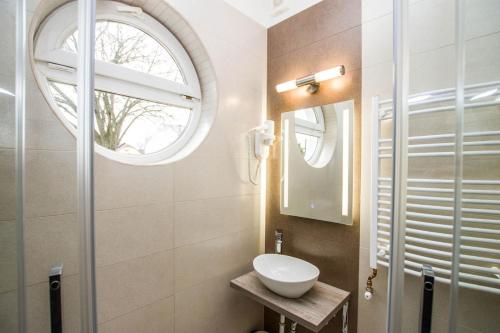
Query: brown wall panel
x=321, y=37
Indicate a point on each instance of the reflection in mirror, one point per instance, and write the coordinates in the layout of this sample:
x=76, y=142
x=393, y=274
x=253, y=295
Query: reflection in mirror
x=316, y=162
x=315, y=132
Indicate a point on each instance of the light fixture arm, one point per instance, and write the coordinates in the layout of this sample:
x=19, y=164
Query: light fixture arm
x=309, y=81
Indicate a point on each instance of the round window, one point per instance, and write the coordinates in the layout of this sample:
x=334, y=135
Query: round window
x=147, y=92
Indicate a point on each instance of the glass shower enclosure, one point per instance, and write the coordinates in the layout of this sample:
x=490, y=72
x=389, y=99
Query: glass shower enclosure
x=46, y=186
x=436, y=223
x=436, y=189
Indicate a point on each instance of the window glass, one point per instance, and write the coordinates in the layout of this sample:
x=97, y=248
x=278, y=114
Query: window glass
x=125, y=45
x=125, y=124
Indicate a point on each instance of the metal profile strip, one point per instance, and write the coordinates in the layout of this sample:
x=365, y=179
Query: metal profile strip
x=85, y=163
x=399, y=165
x=459, y=138
x=20, y=109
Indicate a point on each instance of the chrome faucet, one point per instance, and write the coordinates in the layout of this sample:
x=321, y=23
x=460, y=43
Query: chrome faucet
x=278, y=235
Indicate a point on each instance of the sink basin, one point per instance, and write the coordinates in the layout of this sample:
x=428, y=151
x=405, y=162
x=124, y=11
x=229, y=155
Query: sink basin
x=286, y=276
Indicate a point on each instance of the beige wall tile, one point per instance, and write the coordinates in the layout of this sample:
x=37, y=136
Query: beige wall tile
x=482, y=64
x=37, y=107
x=118, y=237
x=44, y=130
x=50, y=183
x=200, y=178
x=7, y=116
x=481, y=17
x=49, y=134
x=8, y=312
x=239, y=111
x=8, y=256
x=198, y=262
x=132, y=284
x=377, y=41
x=200, y=220
x=236, y=68
x=220, y=256
x=374, y=9
x=154, y=318
x=7, y=184
x=213, y=302
x=184, y=323
x=7, y=44
x=213, y=19
x=118, y=185
x=201, y=303
x=50, y=241
x=430, y=24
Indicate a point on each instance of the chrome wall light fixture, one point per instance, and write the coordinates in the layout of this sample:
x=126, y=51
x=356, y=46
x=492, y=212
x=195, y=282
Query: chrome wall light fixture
x=312, y=80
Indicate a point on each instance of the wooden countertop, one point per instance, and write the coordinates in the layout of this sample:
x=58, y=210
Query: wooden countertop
x=313, y=310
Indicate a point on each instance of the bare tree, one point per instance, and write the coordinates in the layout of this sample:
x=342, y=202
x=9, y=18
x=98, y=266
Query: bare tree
x=115, y=114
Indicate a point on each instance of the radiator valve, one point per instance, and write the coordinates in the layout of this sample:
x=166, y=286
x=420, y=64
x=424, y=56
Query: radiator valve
x=369, y=285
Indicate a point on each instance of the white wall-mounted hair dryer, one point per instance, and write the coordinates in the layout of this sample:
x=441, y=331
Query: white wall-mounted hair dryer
x=264, y=138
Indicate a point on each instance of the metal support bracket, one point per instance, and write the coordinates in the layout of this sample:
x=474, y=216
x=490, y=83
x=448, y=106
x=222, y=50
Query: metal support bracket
x=282, y=324
x=345, y=319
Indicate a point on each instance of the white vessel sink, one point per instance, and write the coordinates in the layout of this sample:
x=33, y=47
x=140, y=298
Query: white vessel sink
x=286, y=276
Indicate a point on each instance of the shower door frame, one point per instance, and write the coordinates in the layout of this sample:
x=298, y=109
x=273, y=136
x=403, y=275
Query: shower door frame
x=85, y=162
x=401, y=57
x=399, y=165
x=20, y=157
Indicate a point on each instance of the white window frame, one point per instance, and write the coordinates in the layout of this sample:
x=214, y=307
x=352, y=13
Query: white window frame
x=316, y=129
x=52, y=63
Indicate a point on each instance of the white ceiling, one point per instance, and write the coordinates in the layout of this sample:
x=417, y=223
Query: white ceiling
x=271, y=12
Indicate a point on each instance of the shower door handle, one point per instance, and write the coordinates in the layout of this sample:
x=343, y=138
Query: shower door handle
x=427, y=298
x=55, y=299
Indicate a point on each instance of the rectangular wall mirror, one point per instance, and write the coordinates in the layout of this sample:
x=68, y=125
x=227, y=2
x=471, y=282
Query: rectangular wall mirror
x=316, y=162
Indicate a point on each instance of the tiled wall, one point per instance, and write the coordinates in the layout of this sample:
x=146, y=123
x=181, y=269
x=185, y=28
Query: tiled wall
x=169, y=237
x=431, y=67
x=8, y=230
x=321, y=37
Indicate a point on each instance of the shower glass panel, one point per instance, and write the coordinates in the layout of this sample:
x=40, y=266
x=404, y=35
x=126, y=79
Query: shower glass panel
x=478, y=307
x=430, y=159
x=54, y=160
x=9, y=254
x=450, y=173
x=52, y=231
